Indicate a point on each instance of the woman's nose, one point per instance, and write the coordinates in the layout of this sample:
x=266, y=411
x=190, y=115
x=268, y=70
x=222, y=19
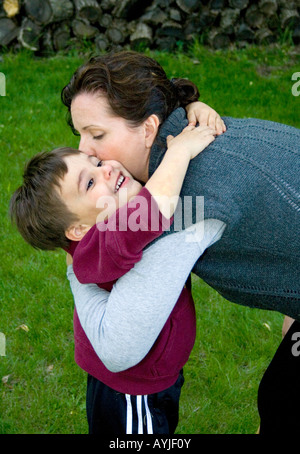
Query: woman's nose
x=85, y=146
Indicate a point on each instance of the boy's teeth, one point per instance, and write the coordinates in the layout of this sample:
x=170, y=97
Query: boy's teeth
x=119, y=182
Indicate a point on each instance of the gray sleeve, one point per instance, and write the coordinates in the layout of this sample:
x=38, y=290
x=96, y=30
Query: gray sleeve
x=122, y=325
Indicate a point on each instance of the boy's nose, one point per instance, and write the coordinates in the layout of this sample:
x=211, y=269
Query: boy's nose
x=106, y=170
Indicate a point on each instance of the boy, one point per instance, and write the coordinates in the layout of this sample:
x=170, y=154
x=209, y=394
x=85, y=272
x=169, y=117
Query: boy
x=70, y=197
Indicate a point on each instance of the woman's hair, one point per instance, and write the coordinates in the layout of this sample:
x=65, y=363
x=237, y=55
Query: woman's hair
x=135, y=86
x=36, y=207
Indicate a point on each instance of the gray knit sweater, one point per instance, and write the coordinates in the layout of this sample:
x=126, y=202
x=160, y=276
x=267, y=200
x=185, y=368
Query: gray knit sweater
x=250, y=179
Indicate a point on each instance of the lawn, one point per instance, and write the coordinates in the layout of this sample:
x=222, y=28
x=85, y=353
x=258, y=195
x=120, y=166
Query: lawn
x=42, y=390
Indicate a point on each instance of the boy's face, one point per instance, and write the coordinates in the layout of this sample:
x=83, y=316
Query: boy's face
x=91, y=187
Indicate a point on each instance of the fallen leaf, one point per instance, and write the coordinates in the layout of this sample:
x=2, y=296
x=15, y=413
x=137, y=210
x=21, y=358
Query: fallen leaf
x=49, y=369
x=5, y=379
x=23, y=327
x=267, y=326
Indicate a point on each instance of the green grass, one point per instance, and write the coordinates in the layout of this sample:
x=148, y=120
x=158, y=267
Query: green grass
x=43, y=390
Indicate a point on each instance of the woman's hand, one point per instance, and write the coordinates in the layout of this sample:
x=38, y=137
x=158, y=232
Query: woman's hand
x=198, y=112
x=192, y=140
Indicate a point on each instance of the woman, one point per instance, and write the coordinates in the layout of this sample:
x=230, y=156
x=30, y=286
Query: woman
x=138, y=135
x=123, y=108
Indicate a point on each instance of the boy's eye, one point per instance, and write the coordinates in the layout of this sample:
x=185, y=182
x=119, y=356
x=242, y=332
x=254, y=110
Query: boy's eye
x=98, y=137
x=90, y=184
x=99, y=164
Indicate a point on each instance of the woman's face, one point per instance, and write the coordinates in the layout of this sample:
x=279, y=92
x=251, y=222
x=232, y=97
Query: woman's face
x=109, y=137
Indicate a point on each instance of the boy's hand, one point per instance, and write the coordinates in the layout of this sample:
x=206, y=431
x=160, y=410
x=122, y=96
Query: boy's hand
x=287, y=323
x=69, y=259
x=192, y=140
x=198, y=112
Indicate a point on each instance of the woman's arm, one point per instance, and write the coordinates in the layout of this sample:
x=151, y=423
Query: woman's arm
x=123, y=325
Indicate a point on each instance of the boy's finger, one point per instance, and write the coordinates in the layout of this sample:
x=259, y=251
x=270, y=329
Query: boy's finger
x=192, y=119
x=206, y=128
x=203, y=120
x=189, y=127
x=220, y=125
x=212, y=121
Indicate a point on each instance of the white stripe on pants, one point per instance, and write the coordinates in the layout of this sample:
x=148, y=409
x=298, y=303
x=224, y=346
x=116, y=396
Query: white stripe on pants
x=138, y=402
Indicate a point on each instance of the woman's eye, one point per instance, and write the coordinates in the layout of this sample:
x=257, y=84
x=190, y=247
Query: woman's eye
x=90, y=184
x=99, y=164
x=98, y=137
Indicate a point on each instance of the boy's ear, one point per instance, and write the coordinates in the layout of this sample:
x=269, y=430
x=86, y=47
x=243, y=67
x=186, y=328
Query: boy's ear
x=151, y=126
x=77, y=232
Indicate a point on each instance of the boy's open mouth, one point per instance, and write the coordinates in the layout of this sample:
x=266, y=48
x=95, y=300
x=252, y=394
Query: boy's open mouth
x=120, y=181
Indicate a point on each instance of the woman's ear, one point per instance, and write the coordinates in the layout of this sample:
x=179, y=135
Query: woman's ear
x=151, y=126
x=77, y=232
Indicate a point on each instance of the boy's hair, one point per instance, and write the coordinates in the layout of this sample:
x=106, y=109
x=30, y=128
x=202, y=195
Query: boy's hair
x=36, y=207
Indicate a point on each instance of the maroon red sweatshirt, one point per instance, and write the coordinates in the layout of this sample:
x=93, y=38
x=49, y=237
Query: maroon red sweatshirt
x=107, y=252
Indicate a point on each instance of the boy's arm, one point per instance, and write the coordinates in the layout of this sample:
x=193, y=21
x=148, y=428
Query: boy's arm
x=111, y=248
x=166, y=182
